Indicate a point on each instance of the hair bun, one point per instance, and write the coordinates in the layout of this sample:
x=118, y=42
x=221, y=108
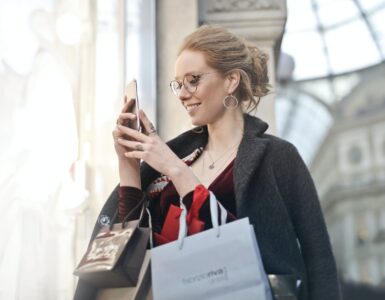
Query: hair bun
x=260, y=78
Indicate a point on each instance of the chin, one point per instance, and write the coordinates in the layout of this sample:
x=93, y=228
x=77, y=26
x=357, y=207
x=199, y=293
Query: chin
x=198, y=122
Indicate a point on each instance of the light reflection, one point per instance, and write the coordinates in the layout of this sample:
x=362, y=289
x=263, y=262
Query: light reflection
x=39, y=145
x=352, y=53
x=349, y=43
x=69, y=29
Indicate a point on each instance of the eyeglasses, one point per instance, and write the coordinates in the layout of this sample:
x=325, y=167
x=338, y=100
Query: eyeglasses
x=190, y=83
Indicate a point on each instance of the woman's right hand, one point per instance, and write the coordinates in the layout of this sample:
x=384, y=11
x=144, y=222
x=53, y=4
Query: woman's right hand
x=129, y=168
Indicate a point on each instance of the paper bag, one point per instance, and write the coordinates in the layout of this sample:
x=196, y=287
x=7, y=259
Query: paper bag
x=219, y=263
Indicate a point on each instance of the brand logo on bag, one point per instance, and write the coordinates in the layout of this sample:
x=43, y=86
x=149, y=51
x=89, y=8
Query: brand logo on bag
x=104, y=220
x=212, y=276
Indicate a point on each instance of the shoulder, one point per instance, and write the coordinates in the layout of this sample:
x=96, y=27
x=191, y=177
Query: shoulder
x=256, y=128
x=280, y=147
x=284, y=159
x=187, y=135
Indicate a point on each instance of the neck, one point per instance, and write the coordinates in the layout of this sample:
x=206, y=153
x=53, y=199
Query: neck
x=226, y=131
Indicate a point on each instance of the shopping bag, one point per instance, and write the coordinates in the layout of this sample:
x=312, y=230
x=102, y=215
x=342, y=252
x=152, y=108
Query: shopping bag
x=142, y=290
x=114, y=258
x=219, y=263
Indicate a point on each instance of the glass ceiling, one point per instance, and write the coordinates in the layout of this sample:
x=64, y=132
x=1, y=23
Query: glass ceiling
x=329, y=37
x=327, y=42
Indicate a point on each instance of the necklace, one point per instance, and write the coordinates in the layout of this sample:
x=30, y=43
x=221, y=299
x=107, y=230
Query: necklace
x=214, y=175
x=212, y=165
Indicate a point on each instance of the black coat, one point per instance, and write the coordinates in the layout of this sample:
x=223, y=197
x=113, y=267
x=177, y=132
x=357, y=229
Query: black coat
x=274, y=189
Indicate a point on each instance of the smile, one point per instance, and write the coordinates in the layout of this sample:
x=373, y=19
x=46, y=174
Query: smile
x=190, y=107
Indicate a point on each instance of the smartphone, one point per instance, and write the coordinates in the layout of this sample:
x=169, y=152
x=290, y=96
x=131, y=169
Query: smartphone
x=132, y=93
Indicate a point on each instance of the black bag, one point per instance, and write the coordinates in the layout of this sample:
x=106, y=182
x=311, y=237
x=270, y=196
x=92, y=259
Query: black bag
x=114, y=258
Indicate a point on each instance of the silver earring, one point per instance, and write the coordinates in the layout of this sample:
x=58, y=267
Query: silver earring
x=197, y=130
x=230, y=102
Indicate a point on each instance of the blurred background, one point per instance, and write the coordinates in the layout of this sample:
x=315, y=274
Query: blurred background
x=63, y=68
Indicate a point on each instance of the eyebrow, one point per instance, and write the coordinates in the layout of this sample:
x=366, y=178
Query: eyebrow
x=190, y=73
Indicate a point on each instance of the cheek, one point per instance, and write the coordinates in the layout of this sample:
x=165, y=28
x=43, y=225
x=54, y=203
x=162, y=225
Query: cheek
x=211, y=95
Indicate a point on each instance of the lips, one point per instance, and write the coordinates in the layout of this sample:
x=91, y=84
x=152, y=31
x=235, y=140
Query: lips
x=190, y=107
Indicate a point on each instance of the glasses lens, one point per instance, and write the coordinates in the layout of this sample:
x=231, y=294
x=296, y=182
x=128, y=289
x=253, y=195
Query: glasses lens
x=175, y=87
x=191, y=83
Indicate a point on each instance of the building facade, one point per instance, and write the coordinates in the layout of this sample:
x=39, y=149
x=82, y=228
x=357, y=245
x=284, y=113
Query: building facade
x=349, y=172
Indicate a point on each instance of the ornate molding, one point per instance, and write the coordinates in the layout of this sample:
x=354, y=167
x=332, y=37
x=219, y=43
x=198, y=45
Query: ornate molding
x=218, y=6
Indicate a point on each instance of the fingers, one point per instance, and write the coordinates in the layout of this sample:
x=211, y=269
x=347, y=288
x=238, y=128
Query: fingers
x=134, y=134
x=137, y=148
x=135, y=154
x=128, y=105
x=148, y=126
x=116, y=134
x=123, y=117
x=121, y=130
x=131, y=144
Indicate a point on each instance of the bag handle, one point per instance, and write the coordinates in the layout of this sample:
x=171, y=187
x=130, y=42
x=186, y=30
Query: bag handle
x=143, y=203
x=214, y=212
x=214, y=203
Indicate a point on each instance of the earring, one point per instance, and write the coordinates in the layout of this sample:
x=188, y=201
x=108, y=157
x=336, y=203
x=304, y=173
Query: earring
x=198, y=130
x=230, y=102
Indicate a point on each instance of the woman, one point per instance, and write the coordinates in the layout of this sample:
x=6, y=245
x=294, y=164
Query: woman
x=253, y=174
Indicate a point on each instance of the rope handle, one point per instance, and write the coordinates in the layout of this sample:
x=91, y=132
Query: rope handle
x=214, y=204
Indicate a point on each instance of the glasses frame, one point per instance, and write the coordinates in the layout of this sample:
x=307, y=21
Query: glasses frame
x=181, y=84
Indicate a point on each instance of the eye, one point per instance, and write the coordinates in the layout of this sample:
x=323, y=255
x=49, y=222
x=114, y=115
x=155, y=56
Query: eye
x=193, y=79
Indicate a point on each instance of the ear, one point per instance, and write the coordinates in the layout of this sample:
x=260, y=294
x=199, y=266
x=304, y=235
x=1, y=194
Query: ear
x=233, y=79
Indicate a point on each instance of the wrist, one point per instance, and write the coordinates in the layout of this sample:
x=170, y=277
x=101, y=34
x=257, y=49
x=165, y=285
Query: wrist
x=177, y=170
x=183, y=178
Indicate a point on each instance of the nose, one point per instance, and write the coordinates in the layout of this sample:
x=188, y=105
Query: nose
x=184, y=94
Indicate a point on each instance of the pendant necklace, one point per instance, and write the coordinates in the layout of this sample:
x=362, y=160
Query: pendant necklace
x=213, y=162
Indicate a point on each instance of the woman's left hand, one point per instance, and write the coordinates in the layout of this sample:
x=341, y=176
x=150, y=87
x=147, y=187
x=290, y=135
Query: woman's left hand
x=149, y=147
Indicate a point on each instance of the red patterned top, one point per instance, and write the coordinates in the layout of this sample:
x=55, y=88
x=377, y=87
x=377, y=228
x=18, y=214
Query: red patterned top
x=165, y=203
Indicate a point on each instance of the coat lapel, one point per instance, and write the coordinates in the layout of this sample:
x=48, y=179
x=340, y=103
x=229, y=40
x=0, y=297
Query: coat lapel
x=250, y=153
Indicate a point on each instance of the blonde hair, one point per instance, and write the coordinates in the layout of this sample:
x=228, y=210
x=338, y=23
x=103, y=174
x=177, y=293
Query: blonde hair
x=225, y=52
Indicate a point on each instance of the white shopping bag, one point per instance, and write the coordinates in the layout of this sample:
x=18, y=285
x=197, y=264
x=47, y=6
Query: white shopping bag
x=221, y=263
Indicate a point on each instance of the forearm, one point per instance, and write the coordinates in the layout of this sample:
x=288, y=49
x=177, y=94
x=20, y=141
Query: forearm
x=129, y=198
x=129, y=174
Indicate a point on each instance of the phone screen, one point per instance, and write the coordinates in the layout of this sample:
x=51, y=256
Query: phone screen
x=132, y=93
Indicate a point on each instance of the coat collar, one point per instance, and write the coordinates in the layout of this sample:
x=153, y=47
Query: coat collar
x=250, y=153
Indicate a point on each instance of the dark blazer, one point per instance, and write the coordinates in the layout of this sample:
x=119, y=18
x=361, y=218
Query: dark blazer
x=274, y=189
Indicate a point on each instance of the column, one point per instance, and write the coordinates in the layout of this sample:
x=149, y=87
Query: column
x=261, y=22
x=175, y=20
